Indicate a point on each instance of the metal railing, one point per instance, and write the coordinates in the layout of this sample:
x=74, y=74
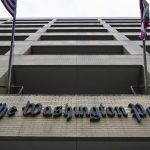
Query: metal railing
x=134, y=88
x=14, y=89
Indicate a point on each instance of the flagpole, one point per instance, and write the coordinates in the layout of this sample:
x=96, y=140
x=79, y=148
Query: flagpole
x=11, y=56
x=145, y=67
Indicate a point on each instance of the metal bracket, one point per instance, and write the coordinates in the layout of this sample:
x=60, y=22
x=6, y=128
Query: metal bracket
x=133, y=87
x=15, y=87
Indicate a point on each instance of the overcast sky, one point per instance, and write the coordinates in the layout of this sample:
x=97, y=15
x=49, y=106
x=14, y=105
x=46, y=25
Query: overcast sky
x=75, y=8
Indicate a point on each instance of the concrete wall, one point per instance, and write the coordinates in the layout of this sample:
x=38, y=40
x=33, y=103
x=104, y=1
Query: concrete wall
x=102, y=33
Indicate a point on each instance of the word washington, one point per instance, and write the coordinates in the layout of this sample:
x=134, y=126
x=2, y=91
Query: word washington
x=94, y=113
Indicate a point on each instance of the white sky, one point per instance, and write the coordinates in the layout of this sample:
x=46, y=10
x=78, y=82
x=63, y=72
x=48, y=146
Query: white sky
x=75, y=8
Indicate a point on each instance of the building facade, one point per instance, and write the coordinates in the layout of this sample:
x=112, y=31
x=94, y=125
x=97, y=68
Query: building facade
x=78, y=77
